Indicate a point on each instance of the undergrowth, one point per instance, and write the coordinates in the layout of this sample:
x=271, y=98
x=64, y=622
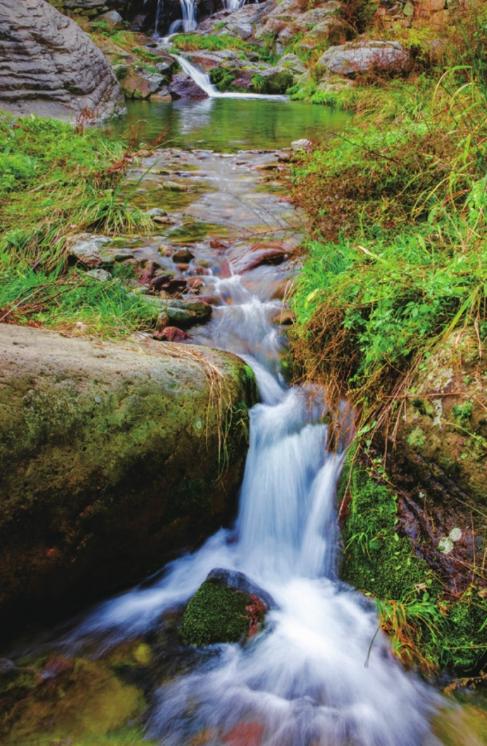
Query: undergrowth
x=397, y=260
x=55, y=182
x=398, y=254
x=216, y=43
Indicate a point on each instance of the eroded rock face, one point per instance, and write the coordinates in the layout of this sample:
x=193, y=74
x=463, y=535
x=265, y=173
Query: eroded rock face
x=112, y=459
x=50, y=67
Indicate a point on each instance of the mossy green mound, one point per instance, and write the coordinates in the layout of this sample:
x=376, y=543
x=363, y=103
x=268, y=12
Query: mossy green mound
x=215, y=614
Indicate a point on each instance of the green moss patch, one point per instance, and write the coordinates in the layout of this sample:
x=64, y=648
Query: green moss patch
x=427, y=627
x=215, y=614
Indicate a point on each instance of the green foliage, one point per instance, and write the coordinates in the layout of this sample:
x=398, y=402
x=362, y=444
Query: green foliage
x=222, y=78
x=215, y=614
x=463, y=412
x=67, y=299
x=209, y=42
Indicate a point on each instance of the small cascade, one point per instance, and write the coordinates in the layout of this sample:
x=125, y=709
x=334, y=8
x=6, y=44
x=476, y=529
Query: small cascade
x=203, y=81
x=322, y=672
x=233, y=5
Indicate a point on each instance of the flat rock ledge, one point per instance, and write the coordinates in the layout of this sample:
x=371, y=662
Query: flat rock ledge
x=113, y=458
x=50, y=67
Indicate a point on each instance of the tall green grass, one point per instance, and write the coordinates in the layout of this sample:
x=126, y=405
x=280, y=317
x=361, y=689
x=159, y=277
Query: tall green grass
x=398, y=252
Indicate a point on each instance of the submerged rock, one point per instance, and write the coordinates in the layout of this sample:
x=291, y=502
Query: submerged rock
x=110, y=462
x=183, y=313
x=227, y=607
x=51, y=67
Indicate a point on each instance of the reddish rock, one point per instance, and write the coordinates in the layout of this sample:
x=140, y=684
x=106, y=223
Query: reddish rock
x=182, y=255
x=261, y=256
x=170, y=334
x=244, y=734
x=182, y=86
x=195, y=283
x=147, y=274
x=217, y=243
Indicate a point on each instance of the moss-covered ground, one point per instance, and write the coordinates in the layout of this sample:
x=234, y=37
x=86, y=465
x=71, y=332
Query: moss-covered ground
x=428, y=628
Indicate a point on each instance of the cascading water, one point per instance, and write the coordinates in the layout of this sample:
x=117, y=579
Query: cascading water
x=157, y=21
x=203, y=81
x=320, y=674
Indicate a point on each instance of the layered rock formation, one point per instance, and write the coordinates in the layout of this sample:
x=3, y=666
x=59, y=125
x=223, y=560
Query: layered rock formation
x=50, y=67
x=112, y=459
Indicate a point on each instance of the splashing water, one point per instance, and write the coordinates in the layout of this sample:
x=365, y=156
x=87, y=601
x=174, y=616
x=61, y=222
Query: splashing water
x=203, y=81
x=321, y=674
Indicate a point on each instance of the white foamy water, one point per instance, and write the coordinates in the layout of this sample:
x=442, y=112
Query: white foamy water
x=320, y=674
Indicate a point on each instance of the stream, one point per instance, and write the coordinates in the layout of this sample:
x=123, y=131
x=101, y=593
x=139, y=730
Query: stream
x=320, y=673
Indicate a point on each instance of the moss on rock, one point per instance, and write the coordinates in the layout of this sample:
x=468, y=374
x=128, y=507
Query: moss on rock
x=84, y=702
x=112, y=459
x=215, y=614
x=428, y=627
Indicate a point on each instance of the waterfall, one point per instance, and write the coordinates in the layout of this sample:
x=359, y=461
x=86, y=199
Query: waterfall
x=203, y=81
x=321, y=673
x=188, y=11
x=159, y=7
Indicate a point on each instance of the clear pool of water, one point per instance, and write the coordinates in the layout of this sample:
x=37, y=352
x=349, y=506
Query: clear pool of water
x=227, y=124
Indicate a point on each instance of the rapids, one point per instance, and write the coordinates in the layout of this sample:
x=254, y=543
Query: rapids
x=321, y=673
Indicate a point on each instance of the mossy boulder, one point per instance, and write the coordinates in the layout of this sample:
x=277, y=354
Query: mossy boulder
x=227, y=607
x=66, y=699
x=112, y=459
x=440, y=459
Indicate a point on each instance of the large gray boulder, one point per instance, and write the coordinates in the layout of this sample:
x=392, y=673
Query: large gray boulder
x=50, y=67
x=361, y=57
x=113, y=458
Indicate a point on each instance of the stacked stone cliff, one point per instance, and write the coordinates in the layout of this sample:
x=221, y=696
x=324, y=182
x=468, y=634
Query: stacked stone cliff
x=50, y=67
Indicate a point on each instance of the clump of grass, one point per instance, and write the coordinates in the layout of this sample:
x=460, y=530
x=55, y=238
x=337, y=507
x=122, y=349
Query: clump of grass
x=55, y=182
x=72, y=301
x=217, y=43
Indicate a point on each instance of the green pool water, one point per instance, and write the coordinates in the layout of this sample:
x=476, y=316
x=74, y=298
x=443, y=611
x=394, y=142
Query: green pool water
x=227, y=124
